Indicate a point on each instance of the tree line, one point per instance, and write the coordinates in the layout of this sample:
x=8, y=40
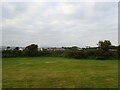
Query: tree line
x=104, y=51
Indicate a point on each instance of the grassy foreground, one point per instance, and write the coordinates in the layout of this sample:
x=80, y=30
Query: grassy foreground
x=56, y=72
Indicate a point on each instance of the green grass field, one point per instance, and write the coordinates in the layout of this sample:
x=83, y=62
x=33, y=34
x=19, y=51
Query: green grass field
x=56, y=72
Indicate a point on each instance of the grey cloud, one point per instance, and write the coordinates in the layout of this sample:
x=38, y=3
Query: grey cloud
x=59, y=24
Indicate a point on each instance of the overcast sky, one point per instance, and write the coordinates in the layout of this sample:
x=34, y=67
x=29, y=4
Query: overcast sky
x=59, y=24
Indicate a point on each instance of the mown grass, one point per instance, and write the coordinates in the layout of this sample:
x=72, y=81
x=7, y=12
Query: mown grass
x=56, y=72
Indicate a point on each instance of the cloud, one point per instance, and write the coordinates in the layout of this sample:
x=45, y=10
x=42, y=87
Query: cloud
x=59, y=24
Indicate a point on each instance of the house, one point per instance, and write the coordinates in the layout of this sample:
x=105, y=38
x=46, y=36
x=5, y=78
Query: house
x=40, y=49
x=113, y=48
x=54, y=49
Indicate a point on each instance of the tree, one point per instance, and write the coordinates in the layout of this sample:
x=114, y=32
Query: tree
x=8, y=47
x=16, y=48
x=104, y=45
x=16, y=52
x=31, y=50
x=118, y=51
x=104, y=52
x=74, y=48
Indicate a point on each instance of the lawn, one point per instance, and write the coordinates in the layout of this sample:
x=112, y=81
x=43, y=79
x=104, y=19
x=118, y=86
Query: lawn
x=56, y=72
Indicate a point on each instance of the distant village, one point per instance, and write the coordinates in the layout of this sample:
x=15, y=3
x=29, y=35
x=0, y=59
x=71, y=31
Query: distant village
x=104, y=50
x=112, y=48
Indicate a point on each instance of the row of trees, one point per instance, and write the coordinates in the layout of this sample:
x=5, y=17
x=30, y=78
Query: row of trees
x=102, y=52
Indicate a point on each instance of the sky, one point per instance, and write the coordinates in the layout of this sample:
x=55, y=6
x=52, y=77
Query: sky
x=58, y=24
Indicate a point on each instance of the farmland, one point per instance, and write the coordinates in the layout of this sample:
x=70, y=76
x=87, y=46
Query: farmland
x=59, y=72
